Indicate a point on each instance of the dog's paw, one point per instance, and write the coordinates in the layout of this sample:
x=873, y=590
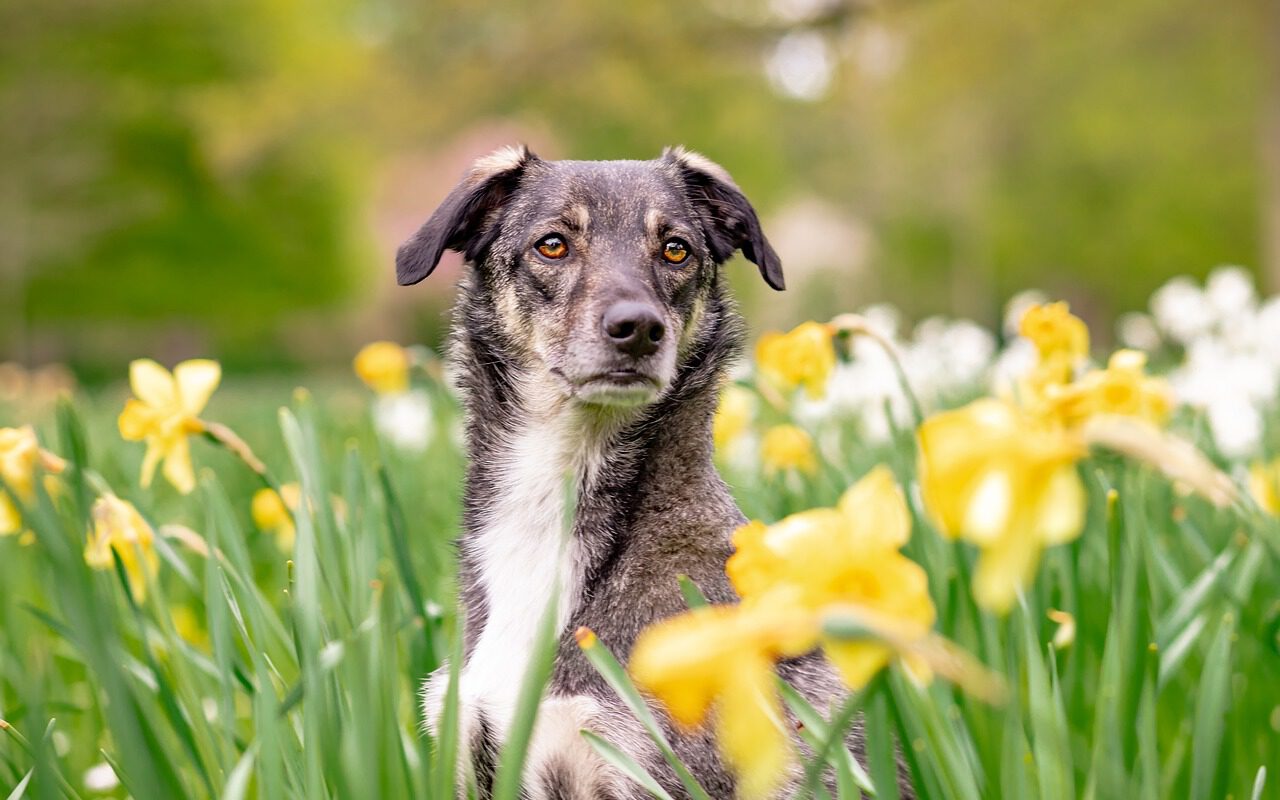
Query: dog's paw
x=561, y=763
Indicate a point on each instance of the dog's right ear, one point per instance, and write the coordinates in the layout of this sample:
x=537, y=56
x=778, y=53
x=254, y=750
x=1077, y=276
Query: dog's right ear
x=460, y=221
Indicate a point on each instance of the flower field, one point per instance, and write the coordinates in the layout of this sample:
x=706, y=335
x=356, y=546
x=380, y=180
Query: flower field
x=1041, y=569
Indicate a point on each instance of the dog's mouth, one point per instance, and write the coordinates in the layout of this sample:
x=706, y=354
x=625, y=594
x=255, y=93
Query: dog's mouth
x=621, y=377
x=614, y=387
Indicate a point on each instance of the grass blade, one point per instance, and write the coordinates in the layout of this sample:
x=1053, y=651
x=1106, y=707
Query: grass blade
x=1209, y=727
x=536, y=675
x=626, y=765
x=620, y=682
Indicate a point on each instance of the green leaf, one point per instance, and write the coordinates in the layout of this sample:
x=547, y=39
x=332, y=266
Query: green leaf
x=827, y=739
x=537, y=673
x=879, y=737
x=1050, y=741
x=237, y=787
x=625, y=764
x=446, y=760
x=21, y=789
x=1212, y=705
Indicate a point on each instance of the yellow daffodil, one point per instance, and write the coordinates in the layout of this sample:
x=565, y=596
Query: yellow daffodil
x=803, y=357
x=1057, y=334
x=19, y=454
x=787, y=448
x=722, y=657
x=384, y=367
x=1062, y=344
x=844, y=556
x=165, y=412
x=733, y=417
x=1264, y=485
x=1122, y=389
x=118, y=527
x=992, y=475
x=273, y=513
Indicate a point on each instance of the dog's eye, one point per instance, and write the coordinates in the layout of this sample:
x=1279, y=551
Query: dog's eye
x=675, y=251
x=552, y=246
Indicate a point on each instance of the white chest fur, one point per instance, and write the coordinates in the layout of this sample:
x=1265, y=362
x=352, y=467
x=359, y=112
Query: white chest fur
x=524, y=555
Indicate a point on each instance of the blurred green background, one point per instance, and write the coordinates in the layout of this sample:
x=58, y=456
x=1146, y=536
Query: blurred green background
x=231, y=177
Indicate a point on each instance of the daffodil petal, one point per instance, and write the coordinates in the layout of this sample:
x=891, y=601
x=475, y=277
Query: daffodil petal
x=152, y=383
x=177, y=466
x=1061, y=511
x=857, y=662
x=155, y=452
x=1003, y=569
x=10, y=520
x=751, y=729
x=990, y=506
x=877, y=510
x=196, y=380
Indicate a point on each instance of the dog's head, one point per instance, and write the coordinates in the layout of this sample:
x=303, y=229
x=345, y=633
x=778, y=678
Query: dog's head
x=598, y=271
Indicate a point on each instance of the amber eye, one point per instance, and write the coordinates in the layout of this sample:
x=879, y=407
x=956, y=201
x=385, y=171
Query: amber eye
x=552, y=246
x=675, y=251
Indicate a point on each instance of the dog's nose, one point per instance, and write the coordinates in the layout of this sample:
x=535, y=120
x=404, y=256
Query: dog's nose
x=634, y=328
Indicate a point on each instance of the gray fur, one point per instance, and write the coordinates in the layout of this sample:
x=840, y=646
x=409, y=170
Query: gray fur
x=527, y=344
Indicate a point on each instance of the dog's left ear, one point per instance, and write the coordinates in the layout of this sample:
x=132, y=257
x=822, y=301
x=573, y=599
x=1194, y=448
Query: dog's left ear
x=731, y=223
x=459, y=223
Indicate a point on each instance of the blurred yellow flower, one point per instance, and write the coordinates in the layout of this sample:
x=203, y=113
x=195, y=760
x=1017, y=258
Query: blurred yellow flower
x=19, y=454
x=723, y=656
x=118, y=527
x=993, y=475
x=845, y=556
x=384, y=367
x=788, y=448
x=734, y=415
x=189, y=627
x=1056, y=332
x=1062, y=343
x=1122, y=389
x=165, y=411
x=1264, y=485
x=803, y=357
x=273, y=513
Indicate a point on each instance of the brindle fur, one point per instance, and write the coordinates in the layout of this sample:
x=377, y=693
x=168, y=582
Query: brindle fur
x=650, y=504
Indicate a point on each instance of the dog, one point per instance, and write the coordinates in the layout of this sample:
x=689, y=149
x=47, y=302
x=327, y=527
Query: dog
x=591, y=338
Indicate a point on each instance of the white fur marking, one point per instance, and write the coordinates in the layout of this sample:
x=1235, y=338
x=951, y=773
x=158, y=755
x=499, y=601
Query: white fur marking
x=523, y=551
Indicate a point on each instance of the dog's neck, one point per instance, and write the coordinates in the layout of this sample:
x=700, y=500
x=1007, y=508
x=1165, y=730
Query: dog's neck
x=551, y=485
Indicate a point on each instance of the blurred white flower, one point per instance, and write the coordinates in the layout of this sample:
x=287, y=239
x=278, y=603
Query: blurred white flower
x=801, y=65
x=100, y=778
x=1138, y=331
x=1236, y=425
x=1231, y=367
x=1229, y=291
x=404, y=419
x=1014, y=361
x=883, y=318
x=1181, y=310
x=942, y=358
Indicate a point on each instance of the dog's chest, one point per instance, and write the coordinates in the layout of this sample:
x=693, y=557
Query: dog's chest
x=524, y=555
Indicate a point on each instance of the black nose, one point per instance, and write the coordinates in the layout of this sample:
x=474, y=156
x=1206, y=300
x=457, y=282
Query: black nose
x=634, y=328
